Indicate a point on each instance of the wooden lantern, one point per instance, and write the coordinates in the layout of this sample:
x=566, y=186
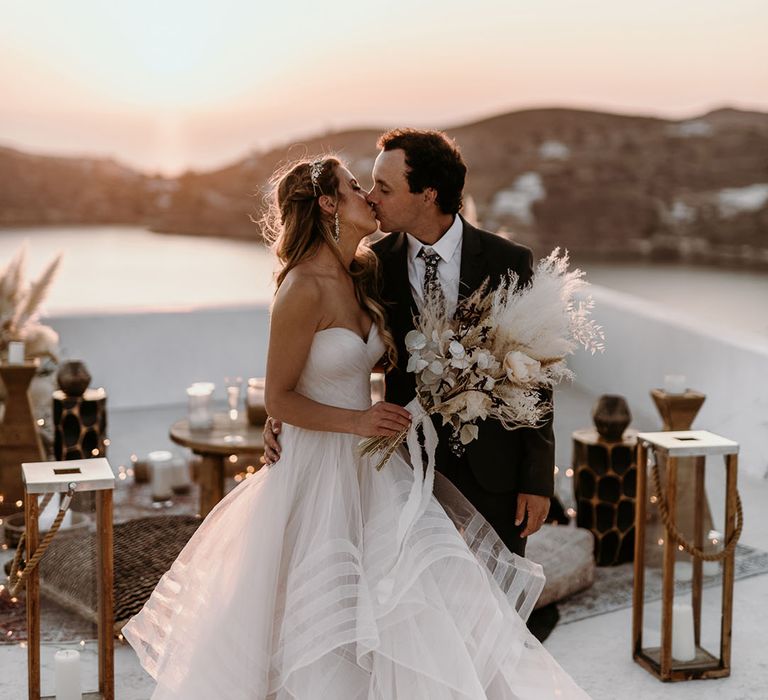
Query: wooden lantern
x=62, y=477
x=669, y=448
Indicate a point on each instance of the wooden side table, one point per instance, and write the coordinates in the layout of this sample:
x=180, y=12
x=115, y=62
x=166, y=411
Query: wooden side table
x=604, y=483
x=19, y=439
x=214, y=447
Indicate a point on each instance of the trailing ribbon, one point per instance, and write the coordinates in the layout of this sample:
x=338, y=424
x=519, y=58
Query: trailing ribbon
x=421, y=488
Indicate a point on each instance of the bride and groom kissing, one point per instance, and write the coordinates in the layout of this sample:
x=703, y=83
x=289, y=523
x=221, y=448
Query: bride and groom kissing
x=300, y=584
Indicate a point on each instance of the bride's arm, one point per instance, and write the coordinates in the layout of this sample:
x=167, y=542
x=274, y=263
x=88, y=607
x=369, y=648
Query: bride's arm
x=296, y=316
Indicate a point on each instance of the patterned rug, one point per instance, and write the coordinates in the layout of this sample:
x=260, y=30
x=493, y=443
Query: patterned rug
x=612, y=589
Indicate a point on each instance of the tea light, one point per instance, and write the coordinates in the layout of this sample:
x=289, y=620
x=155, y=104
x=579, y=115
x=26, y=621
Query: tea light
x=675, y=383
x=67, y=662
x=16, y=352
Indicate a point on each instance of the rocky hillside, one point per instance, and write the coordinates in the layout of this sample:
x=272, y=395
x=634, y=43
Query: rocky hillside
x=603, y=185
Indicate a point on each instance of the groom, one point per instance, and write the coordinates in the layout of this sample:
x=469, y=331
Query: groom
x=418, y=178
x=417, y=194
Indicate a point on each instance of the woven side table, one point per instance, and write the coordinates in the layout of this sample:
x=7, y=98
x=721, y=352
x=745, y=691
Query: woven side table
x=80, y=424
x=604, y=483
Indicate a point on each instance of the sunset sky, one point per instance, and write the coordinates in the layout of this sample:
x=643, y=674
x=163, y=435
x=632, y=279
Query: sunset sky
x=169, y=85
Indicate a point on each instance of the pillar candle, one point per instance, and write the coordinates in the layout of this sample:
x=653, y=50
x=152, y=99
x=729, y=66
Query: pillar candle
x=67, y=663
x=683, y=647
x=16, y=352
x=161, y=466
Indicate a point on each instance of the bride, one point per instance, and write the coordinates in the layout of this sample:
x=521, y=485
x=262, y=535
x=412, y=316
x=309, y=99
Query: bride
x=296, y=586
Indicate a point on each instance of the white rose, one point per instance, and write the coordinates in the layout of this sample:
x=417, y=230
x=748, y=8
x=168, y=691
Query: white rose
x=415, y=340
x=476, y=405
x=521, y=367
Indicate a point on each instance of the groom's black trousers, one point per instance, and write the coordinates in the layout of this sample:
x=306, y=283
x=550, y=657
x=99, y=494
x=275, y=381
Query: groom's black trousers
x=497, y=508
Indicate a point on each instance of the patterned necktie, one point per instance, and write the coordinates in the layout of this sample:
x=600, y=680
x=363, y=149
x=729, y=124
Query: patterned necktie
x=432, y=286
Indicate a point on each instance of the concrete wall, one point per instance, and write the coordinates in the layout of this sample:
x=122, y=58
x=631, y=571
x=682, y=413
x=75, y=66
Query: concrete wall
x=148, y=359
x=645, y=341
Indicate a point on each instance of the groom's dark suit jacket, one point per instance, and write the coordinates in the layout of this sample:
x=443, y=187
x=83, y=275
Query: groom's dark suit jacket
x=502, y=461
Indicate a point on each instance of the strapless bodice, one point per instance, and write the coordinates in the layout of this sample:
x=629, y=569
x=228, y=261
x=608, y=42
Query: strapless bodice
x=338, y=368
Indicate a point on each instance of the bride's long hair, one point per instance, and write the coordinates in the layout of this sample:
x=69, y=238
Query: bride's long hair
x=296, y=227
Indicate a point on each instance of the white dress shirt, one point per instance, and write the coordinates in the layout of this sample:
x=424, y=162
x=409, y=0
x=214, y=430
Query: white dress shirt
x=448, y=267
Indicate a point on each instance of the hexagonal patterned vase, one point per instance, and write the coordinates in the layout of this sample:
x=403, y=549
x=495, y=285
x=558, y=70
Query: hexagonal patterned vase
x=604, y=482
x=80, y=424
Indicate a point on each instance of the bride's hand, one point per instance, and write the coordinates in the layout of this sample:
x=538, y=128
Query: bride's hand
x=382, y=419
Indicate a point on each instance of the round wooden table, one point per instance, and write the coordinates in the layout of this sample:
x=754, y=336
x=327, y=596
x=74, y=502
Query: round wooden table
x=214, y=446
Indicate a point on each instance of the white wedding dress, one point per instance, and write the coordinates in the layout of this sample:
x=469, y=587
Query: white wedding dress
x=296, y=588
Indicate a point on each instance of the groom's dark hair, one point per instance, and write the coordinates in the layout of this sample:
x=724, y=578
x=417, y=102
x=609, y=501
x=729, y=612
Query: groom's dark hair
x=433, y=160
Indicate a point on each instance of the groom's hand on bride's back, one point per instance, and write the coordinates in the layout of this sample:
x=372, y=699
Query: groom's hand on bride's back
x=271, y=442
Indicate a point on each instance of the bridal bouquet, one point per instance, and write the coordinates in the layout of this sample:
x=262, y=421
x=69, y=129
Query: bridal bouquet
x=495, y=355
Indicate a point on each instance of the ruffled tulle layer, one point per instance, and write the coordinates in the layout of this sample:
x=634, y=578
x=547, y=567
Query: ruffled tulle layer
x=295, y=588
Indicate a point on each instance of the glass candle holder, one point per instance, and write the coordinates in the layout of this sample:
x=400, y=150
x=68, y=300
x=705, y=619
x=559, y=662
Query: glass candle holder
x=200, y=413
x=161, y=468
x=254, y=401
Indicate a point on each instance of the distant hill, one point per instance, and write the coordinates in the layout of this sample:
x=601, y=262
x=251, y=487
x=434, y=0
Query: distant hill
x=603, y=185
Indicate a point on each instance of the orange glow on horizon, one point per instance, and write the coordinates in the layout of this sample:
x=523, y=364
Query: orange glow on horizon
x=169, y=86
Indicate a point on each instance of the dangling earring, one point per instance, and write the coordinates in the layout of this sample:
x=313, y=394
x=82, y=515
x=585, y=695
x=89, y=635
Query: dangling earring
x=336, y=232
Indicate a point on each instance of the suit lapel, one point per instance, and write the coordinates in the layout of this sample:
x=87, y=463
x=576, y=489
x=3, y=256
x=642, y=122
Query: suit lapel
x=398, y=286
x=473, y=268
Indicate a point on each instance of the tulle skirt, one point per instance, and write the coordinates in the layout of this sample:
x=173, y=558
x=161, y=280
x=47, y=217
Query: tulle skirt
x=296, y=588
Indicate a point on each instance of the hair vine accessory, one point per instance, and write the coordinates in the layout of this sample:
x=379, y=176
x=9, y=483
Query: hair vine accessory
x=315, y=170
x=336, y=232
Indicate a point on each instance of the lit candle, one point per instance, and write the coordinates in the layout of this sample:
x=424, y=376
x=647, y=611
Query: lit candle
x=16, y=352
x=199, y=411
x=161, y=464
x=675, y=383
x=683, y=647
x=68, y=675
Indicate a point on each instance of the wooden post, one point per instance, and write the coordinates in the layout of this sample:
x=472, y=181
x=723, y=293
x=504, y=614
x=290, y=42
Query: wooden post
x=638, y=593
x=668, y=573
x=731, y=462
x=31, y=542
x=106, y=598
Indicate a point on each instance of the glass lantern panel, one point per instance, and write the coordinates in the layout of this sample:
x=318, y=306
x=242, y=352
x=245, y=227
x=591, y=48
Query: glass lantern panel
x=69, y=598
x=696, y=612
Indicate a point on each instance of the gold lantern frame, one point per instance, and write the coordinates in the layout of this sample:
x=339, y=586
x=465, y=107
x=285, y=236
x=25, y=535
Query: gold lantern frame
x=675, y=445
x=68, y=477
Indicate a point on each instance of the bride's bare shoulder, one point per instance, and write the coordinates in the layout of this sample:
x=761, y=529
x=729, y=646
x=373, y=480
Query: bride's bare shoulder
x=301, y=286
